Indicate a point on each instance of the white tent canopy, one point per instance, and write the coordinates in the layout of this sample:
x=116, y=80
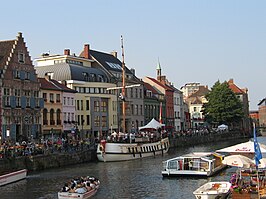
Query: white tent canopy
x=153, y=124
x=245, y=147
x=222, y=127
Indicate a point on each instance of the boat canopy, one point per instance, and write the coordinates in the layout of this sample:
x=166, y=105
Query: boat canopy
x=153, y=124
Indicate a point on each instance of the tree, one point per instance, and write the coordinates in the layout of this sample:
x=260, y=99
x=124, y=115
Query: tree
x=223, y=106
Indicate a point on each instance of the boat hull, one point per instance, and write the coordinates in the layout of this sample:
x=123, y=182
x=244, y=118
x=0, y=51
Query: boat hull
x=213, y=190
x=13, y=177
x=129, y=151
x=67, y=195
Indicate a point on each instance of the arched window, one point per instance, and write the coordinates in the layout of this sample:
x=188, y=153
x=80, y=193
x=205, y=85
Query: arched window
x=58, y=118
x=52, y=122
x=45, y=121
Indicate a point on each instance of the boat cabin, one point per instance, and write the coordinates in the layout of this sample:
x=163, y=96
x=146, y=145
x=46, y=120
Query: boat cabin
x=204, y=164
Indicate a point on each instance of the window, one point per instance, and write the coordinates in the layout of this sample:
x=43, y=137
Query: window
x=88, y=119
x=141, y=110
x=140, y=93
x=87, y=105
x=96, y=106
x=7, y=101
x=81, y=105
x=51, y=97
x=44, y=96
x=52, y=122
x=131, y=92
x=27, y=75
x=64, y=101
x=136, y=91
x=6, y=91
x=58, y=117
x=77, y=104
x=21, y=58
x=104, y=106
x=57, y=97
x=17, y=74
x=18, y=102
x=45, y=121
x=28, y=102
x=104, y=121
x=97, y=121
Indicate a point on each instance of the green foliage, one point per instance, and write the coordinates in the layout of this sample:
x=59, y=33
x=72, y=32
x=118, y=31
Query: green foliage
x=223, y=105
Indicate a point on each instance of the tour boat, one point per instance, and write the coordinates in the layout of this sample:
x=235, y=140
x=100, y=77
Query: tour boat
x=73, y=195
x=194, y=164
x=141, y=147
x=118, y=151
x=213, y=190
x=13, y=177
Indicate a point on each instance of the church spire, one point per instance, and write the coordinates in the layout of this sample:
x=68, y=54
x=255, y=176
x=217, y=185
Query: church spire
x=159, y=71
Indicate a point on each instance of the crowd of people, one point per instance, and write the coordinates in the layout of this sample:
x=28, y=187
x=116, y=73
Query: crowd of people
x=45, y=146
x=81, y=185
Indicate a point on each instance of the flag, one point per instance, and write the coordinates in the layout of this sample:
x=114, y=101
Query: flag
x=160, y=116
x=257, y=151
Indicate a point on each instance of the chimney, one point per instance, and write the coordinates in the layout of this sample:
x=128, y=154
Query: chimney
x=87, y=51
x=231, y=81
x=132, y=71
x=114, y=53
x=67, y=52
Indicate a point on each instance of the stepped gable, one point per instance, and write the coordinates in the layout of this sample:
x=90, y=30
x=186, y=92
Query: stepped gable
x=5, y=50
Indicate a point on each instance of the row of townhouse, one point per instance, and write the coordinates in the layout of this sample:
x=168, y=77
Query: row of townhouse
x=67, y=94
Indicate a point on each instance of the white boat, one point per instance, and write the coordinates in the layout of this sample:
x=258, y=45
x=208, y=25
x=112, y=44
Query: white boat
x=213, y=190
x=13, y=177
x=73, y=195
x=194, y=164
x=128, y=151
x=142, y=147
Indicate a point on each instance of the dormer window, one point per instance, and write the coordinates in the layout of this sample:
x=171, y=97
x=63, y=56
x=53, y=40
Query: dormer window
x=21, y=58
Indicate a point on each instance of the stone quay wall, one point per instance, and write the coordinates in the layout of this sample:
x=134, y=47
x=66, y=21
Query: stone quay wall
x=56, y=160
x=53, y=160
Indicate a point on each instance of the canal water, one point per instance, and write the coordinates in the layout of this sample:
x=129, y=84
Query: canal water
x=136, y=179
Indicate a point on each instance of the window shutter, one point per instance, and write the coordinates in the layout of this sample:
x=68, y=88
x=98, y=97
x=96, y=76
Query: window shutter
x=13, y=102
x=32, y=102
x=13, y=131
x=23, y=102
x=22, y=75
x=41, y=103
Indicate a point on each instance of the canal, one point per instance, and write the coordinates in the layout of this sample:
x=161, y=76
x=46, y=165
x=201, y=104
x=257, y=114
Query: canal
x=135, y=179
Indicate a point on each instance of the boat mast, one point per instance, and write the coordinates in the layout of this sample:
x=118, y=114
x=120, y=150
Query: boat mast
x=123, y=87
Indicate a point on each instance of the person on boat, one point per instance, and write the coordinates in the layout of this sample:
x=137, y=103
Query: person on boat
x=65, y=188
x=80, y=188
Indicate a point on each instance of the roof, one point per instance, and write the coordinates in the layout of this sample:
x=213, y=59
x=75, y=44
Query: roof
x=160, y=84
x=5, y=50
x=202, y=91
x=54, y=85
x=107, y=60
x=234, y=88
x=65, y=71
x=149, y=87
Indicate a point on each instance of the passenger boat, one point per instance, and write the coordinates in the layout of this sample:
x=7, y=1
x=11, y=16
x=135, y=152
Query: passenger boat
x=194, y=164
x=13, y=177
x=213, y=190
x=128, y=151
x=142, y=147
x=72, y=195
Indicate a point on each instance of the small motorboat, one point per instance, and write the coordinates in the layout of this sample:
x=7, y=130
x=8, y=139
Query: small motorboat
x=72, y=193
x=14, y=176
x=213, y=190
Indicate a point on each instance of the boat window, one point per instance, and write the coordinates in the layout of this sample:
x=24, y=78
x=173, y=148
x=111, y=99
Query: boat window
x=172, y=164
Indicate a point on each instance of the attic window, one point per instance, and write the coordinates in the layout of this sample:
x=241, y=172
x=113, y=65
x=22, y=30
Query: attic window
x=21, y=58
x=114, y=65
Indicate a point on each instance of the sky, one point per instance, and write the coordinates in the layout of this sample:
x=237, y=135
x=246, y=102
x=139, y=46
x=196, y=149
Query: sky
x=202, y=41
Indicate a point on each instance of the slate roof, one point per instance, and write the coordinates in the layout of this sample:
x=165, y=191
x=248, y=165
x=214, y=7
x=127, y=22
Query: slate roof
x=5, y=50
x=102, y=58
x=65, y=71
x=54, y=85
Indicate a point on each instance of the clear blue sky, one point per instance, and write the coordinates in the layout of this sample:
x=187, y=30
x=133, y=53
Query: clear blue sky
x=195, y=40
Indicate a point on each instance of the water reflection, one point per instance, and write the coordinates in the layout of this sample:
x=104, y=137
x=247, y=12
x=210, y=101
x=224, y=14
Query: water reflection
x=120, y=180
